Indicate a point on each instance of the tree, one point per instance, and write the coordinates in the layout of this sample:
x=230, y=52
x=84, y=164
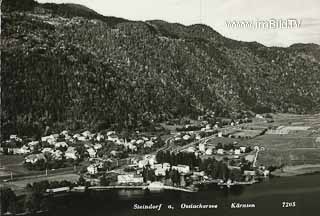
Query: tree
x=81, y=181
x=104, y=181
x=235, y=175
x=7, y=200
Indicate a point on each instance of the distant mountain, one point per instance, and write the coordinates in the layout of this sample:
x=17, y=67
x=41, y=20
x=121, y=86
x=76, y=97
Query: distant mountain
x=66, y=65
x=64, y=10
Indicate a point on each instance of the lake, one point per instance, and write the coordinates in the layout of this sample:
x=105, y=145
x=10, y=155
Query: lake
x=268, y=198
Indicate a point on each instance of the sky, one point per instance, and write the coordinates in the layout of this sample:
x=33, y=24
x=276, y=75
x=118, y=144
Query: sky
x=216, y=13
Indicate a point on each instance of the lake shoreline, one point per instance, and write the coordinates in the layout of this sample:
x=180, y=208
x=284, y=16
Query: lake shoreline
x=298, y=170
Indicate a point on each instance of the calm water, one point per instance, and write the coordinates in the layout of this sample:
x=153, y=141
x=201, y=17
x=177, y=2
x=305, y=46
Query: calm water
x=267, y=197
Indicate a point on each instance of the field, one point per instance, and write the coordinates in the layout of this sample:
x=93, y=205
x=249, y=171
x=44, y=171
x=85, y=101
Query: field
x=297, y=147
x=294, y=148
x=14, y=164
x=19, y=185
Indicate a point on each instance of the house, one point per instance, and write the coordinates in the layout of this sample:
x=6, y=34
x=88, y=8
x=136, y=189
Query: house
x=186, y=137
x=49, y=139
x=145, y=138
x=155, y=185
x=139, y=142
x=16, y=138
x=58, y=190
x=14, y=151
x=182, y=168
x=49, y=150
x=148, y=144
x=202, y=147
x=160, y=169
x=109, y=133
x=33, y=143
x=55, y=136
x=61, y=145
x=97, y=146
x=132, y=147
x=24, y=150
x=92, y=152
x=249, y=173
x=92, y=169
x=199, y=173
x=129, y=178
x=86, y=134
x=71, y=153
x=237, y=152
x=114, y=153
x=318, y=140
x=160, y=172
x=198, y=137
x=243, y=149
x=64, y=133
x=57, y=155
x=34, y=158
x=82, y=138
x=133, y=141
x=113, y=138
x=76, y=136
x=99, y=137
x=220, y=151
x=209, y=152
x=259, y=116
x=191, y=149
x=13, y=137
x=148, y=159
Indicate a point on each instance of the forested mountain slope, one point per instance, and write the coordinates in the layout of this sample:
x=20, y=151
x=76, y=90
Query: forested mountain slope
x=67, y=65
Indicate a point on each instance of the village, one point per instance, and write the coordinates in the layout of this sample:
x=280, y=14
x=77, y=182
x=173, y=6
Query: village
x=182, y=157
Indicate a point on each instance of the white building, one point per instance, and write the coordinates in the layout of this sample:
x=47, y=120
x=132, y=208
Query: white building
x=160, y=169
x=97, y=146
x=186, y=137
x=209, y=152
x=57, y=155
x=92, y=152
x=100, y=137
x=148, y=144
x=86, y=134
x=33, y=143
x=148, y=159
x=49, y=139
x=35, y=158
x=243, y=149
x=61, y=145
x=182, y=168
x=140, y=142
x=202, y=147
x=109, y=133
x=71, y=153
x=92, y=169
x=220, y=151
x=237, y=151
x=191, y=149
x=64, y=132
x=49, y=150
x=24, y=150
x=129, y=178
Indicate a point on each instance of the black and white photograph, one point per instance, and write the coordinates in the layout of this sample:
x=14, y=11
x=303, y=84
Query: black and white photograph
x=160, y=107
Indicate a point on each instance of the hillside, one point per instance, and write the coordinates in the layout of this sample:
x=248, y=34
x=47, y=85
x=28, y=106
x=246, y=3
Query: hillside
x=66, y=65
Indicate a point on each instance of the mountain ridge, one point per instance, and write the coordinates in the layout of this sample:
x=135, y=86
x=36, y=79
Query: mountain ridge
x=116, y=71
